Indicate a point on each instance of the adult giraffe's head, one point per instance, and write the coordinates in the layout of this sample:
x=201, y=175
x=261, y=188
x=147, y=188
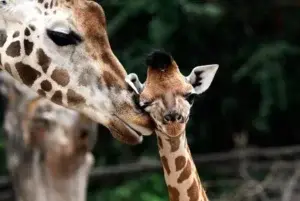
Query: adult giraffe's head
x=62, y=136
x=167, y=95
x=60, y=49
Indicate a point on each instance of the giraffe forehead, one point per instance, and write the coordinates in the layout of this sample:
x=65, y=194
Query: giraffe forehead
x=160, y=83
x=165, y=91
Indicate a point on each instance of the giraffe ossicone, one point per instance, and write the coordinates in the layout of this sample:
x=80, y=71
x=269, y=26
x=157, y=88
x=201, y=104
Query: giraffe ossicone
x=60, y=49
x=168, y=96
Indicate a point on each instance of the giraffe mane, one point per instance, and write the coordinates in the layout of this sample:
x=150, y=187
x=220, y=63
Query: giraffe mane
x=159, y=59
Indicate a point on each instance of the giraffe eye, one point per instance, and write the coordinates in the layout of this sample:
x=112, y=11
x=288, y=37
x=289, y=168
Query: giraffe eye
x=144, y=105
x=63, y=39
x=190, y=97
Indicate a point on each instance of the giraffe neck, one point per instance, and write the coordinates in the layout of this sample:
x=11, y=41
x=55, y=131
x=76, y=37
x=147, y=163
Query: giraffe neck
x=34, y=173
x=42, y=176
x=42, y=168
x=180, y=172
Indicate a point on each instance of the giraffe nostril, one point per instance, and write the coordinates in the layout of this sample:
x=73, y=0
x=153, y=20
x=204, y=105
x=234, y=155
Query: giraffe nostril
x=173, y=117
x=167, y=118
x=179, y=118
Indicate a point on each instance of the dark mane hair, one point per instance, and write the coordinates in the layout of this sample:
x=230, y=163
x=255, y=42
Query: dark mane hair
x=159, y=59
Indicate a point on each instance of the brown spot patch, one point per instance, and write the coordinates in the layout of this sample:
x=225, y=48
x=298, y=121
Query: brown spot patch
x=173, y=193
x=43, y=60
x=180, y=162
x=103, y=41
x=7, y=68
x=57, y=97
x=40, y=1
x=46, y=85
x=28, y=46
x=14, y=49
x=193, y=191
x=27, y=73
x=174, y=143
x=51, y=4
x=85, y=77
x=16, y=34
x=41, y=92
x=61, y=77
x=160, y=144
x=46, y=5
x=74, y=98
x=186, y=173
x=110, y=80
x=105, y=56
x=165, y=163
x=27, y=32
x=111, y=61
x=3, y=37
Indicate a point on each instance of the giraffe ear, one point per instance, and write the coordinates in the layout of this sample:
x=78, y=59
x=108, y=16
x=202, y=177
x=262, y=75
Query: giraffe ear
x=134, y=83
x=201, y=77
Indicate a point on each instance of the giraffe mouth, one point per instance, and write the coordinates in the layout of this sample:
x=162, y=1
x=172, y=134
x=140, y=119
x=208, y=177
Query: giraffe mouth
x=130, y=127
x=134, y=134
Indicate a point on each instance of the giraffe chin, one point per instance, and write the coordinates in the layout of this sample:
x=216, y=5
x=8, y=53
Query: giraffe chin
x=174, y=129
x=124, y=132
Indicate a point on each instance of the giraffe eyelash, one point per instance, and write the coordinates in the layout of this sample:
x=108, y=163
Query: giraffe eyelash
x=63, y=39
x=144, y=105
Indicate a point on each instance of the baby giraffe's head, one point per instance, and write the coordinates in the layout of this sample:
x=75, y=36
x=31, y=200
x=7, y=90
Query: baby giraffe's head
x=167, y=95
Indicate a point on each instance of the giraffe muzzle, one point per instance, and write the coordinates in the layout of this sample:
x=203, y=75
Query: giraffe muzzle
x=123, y=132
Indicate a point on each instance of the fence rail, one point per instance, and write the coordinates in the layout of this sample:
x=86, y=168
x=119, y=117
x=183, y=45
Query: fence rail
x=101, y=175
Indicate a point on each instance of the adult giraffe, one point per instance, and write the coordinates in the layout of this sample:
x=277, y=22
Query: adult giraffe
x=60, y=49
x=48, y=147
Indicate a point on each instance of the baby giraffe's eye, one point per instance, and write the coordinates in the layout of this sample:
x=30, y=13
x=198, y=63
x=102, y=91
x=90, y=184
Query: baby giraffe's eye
x=190, y=97
x=145, y=104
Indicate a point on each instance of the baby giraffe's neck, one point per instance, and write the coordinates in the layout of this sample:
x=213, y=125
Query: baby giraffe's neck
x=180, y=172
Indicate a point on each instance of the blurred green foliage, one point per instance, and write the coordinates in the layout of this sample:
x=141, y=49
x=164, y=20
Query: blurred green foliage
x=147, y=188
x=256, y=44
x=255, y=90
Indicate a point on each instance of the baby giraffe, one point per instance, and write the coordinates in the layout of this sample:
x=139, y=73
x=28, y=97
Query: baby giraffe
x=168, y=97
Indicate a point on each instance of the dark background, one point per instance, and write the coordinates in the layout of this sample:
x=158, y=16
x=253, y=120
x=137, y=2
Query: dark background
x=255, y=91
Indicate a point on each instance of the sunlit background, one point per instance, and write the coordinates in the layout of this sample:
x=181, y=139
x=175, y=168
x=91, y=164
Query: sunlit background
x=244, y=131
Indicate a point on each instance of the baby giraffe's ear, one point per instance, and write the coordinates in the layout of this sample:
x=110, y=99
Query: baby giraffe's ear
x=133, y=81
x=201, y=77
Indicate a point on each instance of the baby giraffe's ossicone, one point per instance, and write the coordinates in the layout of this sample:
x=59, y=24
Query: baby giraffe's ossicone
x=168, y=96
